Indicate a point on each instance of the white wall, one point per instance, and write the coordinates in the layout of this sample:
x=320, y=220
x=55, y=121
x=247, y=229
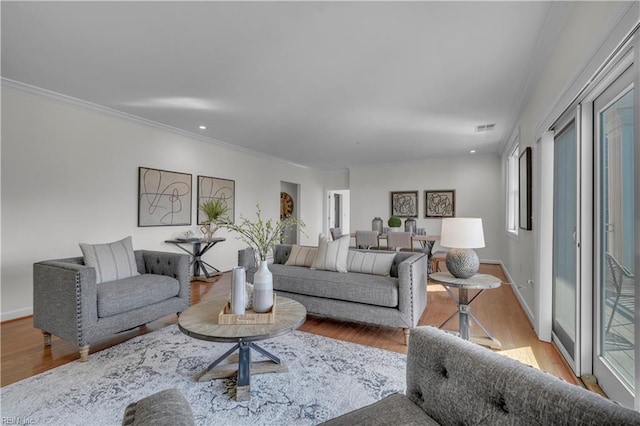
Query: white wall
x=69, y=175
x=590, y=33
x=476, y=180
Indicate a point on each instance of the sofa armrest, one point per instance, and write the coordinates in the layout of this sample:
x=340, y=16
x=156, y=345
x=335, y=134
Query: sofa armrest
x=247, y=258
x=64, y=299
x=412, y=287
x=174, y=265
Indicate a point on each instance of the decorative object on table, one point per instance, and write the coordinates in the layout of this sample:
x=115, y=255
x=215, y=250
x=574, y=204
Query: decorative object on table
x=441, y=203
x=249, y=295
x=376, y=225
x=164, y=198
x=404, y=203
x=394, y=223
x=212, y=188
x=410, y=225
x=262, y=235
x=286, y=205
x=462, y=235
x=249, y=316
x=238, y=291
x=526, y=193
x=216, y=211
x=262, y=288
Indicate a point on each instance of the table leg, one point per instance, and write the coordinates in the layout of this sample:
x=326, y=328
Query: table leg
x=196, y=260
x=243, y=387
x=241, y=367
x=464, y=309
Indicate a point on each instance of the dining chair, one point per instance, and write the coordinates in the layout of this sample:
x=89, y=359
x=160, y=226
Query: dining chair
x=367, y=239
x=399, y=240
x=335, y=233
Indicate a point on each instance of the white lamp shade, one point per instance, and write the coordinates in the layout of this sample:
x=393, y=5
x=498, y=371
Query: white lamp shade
x=462, y=232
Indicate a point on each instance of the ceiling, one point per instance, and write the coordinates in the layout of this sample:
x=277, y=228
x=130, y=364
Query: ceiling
x=326, y=85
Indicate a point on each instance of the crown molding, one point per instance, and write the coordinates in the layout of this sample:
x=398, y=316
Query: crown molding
x=79, y=103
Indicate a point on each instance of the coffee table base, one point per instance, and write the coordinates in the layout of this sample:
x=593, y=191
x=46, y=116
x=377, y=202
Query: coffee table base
x=242, y=366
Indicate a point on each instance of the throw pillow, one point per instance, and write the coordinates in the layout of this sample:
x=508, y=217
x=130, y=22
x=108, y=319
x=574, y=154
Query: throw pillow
x=302, y=256
x=370, y=262
x=112, y=261
x=332, y=255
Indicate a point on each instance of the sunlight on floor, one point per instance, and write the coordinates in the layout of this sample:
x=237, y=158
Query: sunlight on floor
x=524, y=355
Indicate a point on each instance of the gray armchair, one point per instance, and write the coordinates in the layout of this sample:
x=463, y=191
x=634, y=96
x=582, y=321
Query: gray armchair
x=68, y=303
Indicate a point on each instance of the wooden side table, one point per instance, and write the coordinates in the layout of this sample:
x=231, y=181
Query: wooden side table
x=480, y=282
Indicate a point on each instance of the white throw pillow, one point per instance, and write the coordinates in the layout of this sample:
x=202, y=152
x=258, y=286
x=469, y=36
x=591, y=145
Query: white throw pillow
x=112, y=261
x=302, y=256
x=370, y=262
x=332, y=255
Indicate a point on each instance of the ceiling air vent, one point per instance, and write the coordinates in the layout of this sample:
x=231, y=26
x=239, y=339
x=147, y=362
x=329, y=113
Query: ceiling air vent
x=485, y=127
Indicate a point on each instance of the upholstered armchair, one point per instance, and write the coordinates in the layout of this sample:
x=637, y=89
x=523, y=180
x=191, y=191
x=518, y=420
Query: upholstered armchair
x=69, y=302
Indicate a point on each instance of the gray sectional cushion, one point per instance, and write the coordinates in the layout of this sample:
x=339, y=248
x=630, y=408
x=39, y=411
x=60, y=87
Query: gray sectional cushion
x=124, y=295
x=112, y=261
x=166, y=408
x=395, y=409
x=353, y=287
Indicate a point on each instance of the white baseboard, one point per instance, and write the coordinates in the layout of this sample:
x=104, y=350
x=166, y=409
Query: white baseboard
x=516, y=291
x=19, y=313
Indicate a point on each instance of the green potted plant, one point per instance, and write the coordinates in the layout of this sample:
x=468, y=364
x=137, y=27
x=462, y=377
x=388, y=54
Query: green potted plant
x=394, y=223
x=215, y=209
x=262, y=235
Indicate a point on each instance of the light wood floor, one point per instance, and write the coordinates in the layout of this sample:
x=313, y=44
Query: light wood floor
x=24, y=355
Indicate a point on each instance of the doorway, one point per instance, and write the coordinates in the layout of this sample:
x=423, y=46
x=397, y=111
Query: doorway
x=289, y=207
x=338, y=210
x=614, y=349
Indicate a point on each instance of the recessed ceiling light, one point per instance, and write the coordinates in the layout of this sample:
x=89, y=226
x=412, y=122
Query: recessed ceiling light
x=202, y=127
x=473, y=151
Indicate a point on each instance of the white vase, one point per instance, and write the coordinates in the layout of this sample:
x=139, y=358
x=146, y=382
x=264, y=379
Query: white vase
x=262, y=288
x=238, y=291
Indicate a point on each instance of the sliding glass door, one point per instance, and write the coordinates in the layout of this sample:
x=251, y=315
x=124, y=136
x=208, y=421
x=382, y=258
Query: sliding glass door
x=614, y=349
x=565, y=254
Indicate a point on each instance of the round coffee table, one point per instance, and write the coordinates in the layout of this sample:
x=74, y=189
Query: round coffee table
x=201, y=322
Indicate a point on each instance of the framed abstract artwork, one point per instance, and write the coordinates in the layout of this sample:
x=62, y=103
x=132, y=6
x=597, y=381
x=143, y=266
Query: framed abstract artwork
x=441, y=203
x=525, y=192
x=404, y=203
x=212, y=188
x=164, y=198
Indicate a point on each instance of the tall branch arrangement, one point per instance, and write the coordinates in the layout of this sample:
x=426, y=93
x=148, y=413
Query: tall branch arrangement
x=262, y=235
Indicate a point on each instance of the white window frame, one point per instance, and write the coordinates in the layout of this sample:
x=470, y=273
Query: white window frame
x=512, y=196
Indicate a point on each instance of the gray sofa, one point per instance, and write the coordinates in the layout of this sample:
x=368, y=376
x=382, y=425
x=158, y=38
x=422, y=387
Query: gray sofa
x=451, y=381
x=397, y=300
x=68, y=303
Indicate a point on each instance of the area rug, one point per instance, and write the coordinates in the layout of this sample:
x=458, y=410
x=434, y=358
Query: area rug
x=326, y=378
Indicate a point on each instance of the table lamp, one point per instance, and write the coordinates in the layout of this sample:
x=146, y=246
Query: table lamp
x=462, y=235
